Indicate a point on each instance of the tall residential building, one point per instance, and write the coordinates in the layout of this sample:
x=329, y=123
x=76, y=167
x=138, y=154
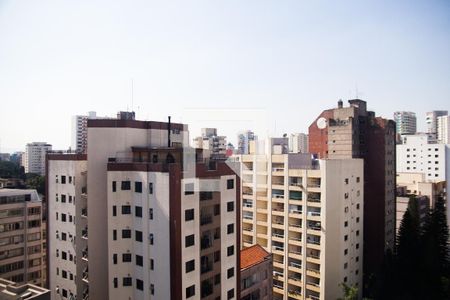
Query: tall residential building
x=16, y=157
x=406, y=122
x=35, y=157
x=67, y=226
x=431, y=120
x=162, y=220
x=354, y=132
x=298, y=143
x=244, y=140
x=256, y=273
x=443, y=130
x=22, y=240
x=309, y=214
x=209, y=140
x=79, y=131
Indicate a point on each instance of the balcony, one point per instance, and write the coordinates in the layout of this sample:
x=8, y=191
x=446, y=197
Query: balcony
x=84, y=233
x=206, y=242
x=84, y=212
x=206, y=267
x=84, y=254
x=204, y=220
x=85, y=275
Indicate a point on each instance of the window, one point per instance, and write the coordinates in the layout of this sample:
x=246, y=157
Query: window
x=114, y=210
x=217, y=209
x=345, y=265
x=126, y=257
x=345, y=279
x=217, y=256
x=190, y=266
x=230, y=294
x=126, y=209
x=114, y=186
x=63, y=236
x=357, y=219
x=63, y=198
x=346, y=224
x=152, y=289
x=139, y=284
x=357, y=259
x=56, y=178
x=230, y=206
x=357, y=179
x=150, y=213
x=125, y=186
x=139, y=260
x=230, y=184
x=346, y=209
x=138, y=211
x=64, y=274
x=230, y=250
x=63, y=217
x=345, y=251
x=230, y=272
x=345, y=237
x=126, y=233
x=63, y=179
x=150, y=238
x=357, y=205
x=138, y=235
x=64, y=255
x=138, y=187
x=190, y=291
x=126, y=281
x=357, y=246
x=230, y=228
x=152, y=264
x=115, y=282
x=189, y=189
x=357, y=232
x=217, y=279
x=115, y=258
x=346, y=180
x=114, y=235
x=150, y=187
x=189, y=214
x=189, y=240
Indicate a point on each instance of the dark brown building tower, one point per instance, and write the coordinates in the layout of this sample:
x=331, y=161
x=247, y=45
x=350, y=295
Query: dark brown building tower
x=354, y=132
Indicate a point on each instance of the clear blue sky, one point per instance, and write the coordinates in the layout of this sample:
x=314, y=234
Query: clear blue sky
x=291, y=59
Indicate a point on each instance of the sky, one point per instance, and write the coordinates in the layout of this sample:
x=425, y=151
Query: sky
x=216, y=63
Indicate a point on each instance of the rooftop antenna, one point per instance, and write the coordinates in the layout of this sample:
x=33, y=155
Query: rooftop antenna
x=356, y=90
x=132, y=93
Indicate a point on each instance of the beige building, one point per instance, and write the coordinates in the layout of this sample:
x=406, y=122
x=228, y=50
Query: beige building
x=416, y=184
x=34, y=161
x=67, y=226
x=209, y=140
x=256, y=273
x=309, y=214
x=22, y=241
x=403, y=198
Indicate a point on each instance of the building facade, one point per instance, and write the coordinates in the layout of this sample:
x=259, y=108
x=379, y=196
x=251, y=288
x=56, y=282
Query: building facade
x=354, y=132
x=256, y=273
x=443, y=130
x=406, y=122
x=79, y=131
x=431, y=121
x=298, y=143
x=10, y=290
x=22, y=241
x=309, y=214
x=244, y=140
x=35, y=157
x=209, y=140
x=67, y=226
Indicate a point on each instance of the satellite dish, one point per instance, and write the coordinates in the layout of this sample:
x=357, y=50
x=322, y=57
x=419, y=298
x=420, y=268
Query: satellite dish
x=321, y=123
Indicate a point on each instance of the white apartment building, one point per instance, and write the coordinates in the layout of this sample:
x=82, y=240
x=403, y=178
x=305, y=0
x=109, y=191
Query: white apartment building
x=35, y=157
x=443, y=130
x=309, y=214
x=67, y=226
x=406, y=122
x=431, y=120
x=79, y=131
x=298, y=143
x=209, y=140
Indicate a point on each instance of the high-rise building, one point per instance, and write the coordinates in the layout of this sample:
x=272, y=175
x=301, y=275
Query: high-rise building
x=309, y=214
x=210, y=141
x=35, y=157
x=79, y=131
x=298, y=143
x=16, y=157
x=354, y=132
x=22, y=237
x=162, y=220
x=67, y=226
x=443, y=130
x=431, y=120
x=244, y=140
x=403, y=198
x=406, y=122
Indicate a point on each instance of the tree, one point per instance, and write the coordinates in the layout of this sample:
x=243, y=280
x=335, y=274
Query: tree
x=9, y=170
x=350, y=292
x=35, y=181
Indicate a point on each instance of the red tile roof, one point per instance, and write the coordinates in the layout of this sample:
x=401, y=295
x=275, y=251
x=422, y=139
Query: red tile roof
x=253, y=255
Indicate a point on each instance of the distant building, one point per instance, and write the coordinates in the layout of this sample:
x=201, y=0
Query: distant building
x=210, y=141
x=17, y=157
x=22, y=238
x=11, y=183
x=443, y=130
x=403, y=198
x=406, y=122
x=35, y=157
x=298, y=143
x=431, y=120
x=244, y=140
x=256, y=273
x=10, y=290
x=5, y=157
x=416, y=184
x=79, y=131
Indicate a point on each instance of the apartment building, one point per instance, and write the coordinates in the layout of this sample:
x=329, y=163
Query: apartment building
x=432, y=121
x=405, y=122
x=355, y=132
x=244, y=140
x=415, y=184
x=67, y=226
x=35, y=157
x=10, y=290
x=209, y=140
x=79, y=131
x=403, y=198
x=298, y=143
x=22, y=240
x=309, y=214
x=256, y=273
x=443, y=130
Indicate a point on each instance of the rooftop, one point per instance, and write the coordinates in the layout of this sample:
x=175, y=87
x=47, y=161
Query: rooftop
x=253, y=255
x=11, y=290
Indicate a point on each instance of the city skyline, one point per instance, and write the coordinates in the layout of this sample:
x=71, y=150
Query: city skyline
x=62, y=60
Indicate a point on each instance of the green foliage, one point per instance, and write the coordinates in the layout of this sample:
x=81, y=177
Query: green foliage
x=350, y=292
x=10, y=170
x=34, y=181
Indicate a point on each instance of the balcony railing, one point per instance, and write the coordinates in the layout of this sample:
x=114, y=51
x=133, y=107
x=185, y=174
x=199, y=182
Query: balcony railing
x=313, y=213
x=295, y=265
x=278, y=235
x=247, y=217
x=278, y=248
x=315, y=242
x=84, y=212
x=278, y=196
x=206, y=267
x=295, y=225
x=205, y=220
